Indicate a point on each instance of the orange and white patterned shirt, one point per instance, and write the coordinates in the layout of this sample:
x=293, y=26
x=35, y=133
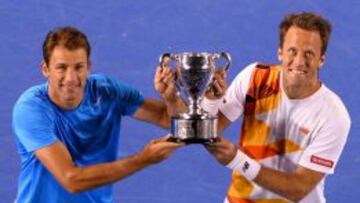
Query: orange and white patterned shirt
x=282, y=133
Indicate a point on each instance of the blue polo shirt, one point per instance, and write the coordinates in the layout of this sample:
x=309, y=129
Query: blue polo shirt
x=90, y=132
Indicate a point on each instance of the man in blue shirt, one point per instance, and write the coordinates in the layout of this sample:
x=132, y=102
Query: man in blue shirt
x=67, y=130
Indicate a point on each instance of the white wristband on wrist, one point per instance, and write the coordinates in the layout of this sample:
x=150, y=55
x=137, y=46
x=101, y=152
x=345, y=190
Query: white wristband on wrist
x=245, y=165
x=211, y=106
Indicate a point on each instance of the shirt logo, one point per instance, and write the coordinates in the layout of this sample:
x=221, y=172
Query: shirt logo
x=304, y=131
x=98, y=100
x=320, y=161
x=246, y=166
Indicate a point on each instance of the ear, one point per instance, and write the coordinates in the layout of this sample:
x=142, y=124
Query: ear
x=44, y=69
x=89, y=65
x=279, y=54
x=322, y=61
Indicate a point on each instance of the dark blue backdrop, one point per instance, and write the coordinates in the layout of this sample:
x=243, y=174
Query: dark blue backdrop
x=128, y=36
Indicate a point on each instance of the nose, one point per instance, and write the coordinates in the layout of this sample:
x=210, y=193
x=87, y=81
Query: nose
x=70, y=76
x=299, y=59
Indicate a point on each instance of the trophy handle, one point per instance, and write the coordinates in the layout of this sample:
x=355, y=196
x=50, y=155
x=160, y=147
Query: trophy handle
x=227, y=57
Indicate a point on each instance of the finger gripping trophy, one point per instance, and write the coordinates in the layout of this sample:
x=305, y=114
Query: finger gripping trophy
x=195, y=71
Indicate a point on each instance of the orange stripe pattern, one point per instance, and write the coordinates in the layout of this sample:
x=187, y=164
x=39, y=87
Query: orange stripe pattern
x=263, y=97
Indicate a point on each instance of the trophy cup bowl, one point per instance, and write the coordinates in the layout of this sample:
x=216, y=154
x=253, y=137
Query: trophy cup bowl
x=195, y=71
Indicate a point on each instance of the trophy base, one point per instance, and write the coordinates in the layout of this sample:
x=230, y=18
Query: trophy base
x=192, y=140
x=194, y=129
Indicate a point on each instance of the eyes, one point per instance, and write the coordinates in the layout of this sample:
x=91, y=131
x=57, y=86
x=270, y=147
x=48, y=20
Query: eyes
x=307, y=54
x=60, y=67
x=77, y=67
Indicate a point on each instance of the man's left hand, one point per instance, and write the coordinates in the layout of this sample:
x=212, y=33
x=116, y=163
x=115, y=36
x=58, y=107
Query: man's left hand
x=218, y=86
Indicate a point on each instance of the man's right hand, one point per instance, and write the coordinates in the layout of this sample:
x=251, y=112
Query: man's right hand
x=223, y=150
x=158, y=150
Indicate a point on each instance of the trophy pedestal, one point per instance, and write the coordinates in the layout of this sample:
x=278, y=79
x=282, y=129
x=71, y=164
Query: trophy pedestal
x=194, y=128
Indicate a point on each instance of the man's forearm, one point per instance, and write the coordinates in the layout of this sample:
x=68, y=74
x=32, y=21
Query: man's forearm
x=289, y=185
x=175, y=107
x=88, y=177
x=293, y=185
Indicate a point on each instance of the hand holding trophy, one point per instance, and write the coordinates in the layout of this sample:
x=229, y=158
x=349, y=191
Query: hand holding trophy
x=194, y=75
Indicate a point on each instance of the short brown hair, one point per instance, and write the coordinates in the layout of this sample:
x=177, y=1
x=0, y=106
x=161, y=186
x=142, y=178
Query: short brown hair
x=307, y=21
x=68, y=37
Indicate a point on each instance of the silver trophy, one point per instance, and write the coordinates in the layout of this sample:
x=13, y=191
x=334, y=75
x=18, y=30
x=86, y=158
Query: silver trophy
x=195, y=73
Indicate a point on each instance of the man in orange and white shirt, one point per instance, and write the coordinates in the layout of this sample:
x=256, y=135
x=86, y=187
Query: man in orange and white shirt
x=294, y=128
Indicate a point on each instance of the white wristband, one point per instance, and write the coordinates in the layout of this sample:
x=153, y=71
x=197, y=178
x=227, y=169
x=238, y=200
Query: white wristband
x=211, y=106
x=245, y=165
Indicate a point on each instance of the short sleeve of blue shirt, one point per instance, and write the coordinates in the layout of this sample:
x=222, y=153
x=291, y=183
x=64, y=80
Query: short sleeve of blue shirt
x=32, y=123
x=128, y=98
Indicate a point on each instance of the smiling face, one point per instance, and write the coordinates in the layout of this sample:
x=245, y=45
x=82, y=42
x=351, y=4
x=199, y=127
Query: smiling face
x=66, y=72
x=301, y=60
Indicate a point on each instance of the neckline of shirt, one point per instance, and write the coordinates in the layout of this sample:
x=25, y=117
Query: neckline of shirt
x=69, y=110
x=304, y=100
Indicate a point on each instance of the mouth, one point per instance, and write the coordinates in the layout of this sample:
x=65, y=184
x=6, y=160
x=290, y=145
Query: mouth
x=297, y=71
x=70, y=88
